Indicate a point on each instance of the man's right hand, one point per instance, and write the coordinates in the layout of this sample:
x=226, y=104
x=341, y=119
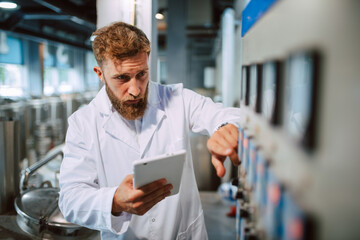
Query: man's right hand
x=139, y=201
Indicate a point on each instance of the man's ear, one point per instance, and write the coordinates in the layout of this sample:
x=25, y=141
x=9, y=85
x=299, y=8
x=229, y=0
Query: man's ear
x=98, y=72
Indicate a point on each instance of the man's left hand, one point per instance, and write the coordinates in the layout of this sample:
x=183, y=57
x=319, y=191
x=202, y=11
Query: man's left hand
x=223, y=143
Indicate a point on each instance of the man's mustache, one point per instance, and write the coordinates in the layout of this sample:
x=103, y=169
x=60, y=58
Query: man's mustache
x=130, y=98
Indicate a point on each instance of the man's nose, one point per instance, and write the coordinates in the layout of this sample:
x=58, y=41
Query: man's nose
x=134, y=89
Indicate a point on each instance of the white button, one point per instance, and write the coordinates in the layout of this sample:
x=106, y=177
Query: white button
x=153, y=220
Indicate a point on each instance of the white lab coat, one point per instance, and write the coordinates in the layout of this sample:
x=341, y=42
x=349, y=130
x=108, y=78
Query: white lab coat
x=100, y=150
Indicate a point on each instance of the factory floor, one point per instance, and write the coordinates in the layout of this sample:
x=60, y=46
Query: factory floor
x=218, y=224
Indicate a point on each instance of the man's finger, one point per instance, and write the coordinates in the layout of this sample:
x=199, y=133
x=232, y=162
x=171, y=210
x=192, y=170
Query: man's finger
x=129, y=179
x=226, y=141
x=230, y=134
x=217, y=148
x=234, y=157
x=153, y=185
x=220, y=143
x=219, y=166
x=148, y=189
x=148, y=203
x=146, y=207
x=233, y=130
x=158, y=192
x=221, y=150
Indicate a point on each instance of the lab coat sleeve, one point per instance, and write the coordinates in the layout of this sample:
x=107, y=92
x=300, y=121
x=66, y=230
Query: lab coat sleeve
x=82, y=200
x=205, y=116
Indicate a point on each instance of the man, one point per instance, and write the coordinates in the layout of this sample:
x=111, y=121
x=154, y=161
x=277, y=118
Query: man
x=132, y=118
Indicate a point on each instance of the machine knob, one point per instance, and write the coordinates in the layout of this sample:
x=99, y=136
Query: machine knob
x=241, y=195
x=251, y=236
x=235, y=182
x=244, y=213
x=250, y=233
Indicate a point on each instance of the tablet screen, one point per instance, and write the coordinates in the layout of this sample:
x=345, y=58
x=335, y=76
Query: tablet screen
x=168, y=166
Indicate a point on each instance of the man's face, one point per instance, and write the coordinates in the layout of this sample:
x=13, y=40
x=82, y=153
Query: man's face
x=127, y=84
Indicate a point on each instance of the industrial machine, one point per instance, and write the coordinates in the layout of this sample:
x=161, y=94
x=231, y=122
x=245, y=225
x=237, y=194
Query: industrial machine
x=297, y=63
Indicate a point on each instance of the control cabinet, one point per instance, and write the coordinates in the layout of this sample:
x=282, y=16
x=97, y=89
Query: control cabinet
x=300, y=94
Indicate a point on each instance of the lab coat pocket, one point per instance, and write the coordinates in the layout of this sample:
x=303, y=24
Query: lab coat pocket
x=196, y=230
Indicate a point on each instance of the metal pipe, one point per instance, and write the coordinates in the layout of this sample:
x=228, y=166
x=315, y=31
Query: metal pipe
x=227, y=67
x=9, y=162
x=25, y=174
x=227, y=58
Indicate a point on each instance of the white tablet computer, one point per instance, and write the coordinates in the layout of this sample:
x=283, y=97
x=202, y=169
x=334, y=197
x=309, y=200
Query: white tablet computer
x=168, y=166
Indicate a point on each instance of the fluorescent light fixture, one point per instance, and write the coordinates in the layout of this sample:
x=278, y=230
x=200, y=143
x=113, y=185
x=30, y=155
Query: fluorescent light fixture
x=159, y=16
x=8, y=5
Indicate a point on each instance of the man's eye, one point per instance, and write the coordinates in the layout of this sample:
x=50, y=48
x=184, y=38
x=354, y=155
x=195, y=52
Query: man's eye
x=141, y=74
x=123, y=77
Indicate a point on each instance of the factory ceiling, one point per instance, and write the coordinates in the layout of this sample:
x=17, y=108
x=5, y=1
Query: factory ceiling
x=66, y=21
x=73, y=21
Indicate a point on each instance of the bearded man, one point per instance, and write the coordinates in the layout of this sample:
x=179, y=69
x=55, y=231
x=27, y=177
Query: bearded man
x=133, y=118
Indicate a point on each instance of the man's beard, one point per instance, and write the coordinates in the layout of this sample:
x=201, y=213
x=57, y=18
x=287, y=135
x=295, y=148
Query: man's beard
x=129, y=111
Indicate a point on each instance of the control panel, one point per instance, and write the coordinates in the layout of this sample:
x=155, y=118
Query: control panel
x=299, y=144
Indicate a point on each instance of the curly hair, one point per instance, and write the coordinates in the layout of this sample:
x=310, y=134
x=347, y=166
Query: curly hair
x=118, y=41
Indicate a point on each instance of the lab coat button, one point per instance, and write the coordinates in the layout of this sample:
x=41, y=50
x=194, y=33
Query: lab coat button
x=153, y=220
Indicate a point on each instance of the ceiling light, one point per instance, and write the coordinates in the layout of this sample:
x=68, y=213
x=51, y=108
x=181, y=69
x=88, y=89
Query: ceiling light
x=159, y=16
x=92, y=38
x=8, y=5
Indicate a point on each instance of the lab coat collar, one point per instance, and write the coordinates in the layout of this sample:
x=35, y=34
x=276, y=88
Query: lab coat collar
x=103, y=104
x=115, y=126
x=152, y=118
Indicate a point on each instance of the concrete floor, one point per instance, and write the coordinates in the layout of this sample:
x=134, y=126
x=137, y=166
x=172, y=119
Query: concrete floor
x=218, y=225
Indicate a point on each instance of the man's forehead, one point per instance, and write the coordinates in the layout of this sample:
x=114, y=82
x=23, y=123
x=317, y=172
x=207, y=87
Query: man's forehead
x=140, y=59
x=121, y=62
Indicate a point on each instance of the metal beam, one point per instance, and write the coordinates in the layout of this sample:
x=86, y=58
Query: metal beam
x=67, y=8
x=41, y=16
x=58, y=17
x=12, y=21
x=51, y=38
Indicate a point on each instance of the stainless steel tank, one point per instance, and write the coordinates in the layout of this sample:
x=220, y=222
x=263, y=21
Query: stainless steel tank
x=40, y=133
x=57, y=119
x=39, y=111
x=17, y=110
x=43, y=138
x=9, y=162
x=37, y=209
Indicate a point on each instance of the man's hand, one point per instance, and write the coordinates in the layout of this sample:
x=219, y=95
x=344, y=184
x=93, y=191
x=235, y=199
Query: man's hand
x=223, y=143
x=139, y=201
